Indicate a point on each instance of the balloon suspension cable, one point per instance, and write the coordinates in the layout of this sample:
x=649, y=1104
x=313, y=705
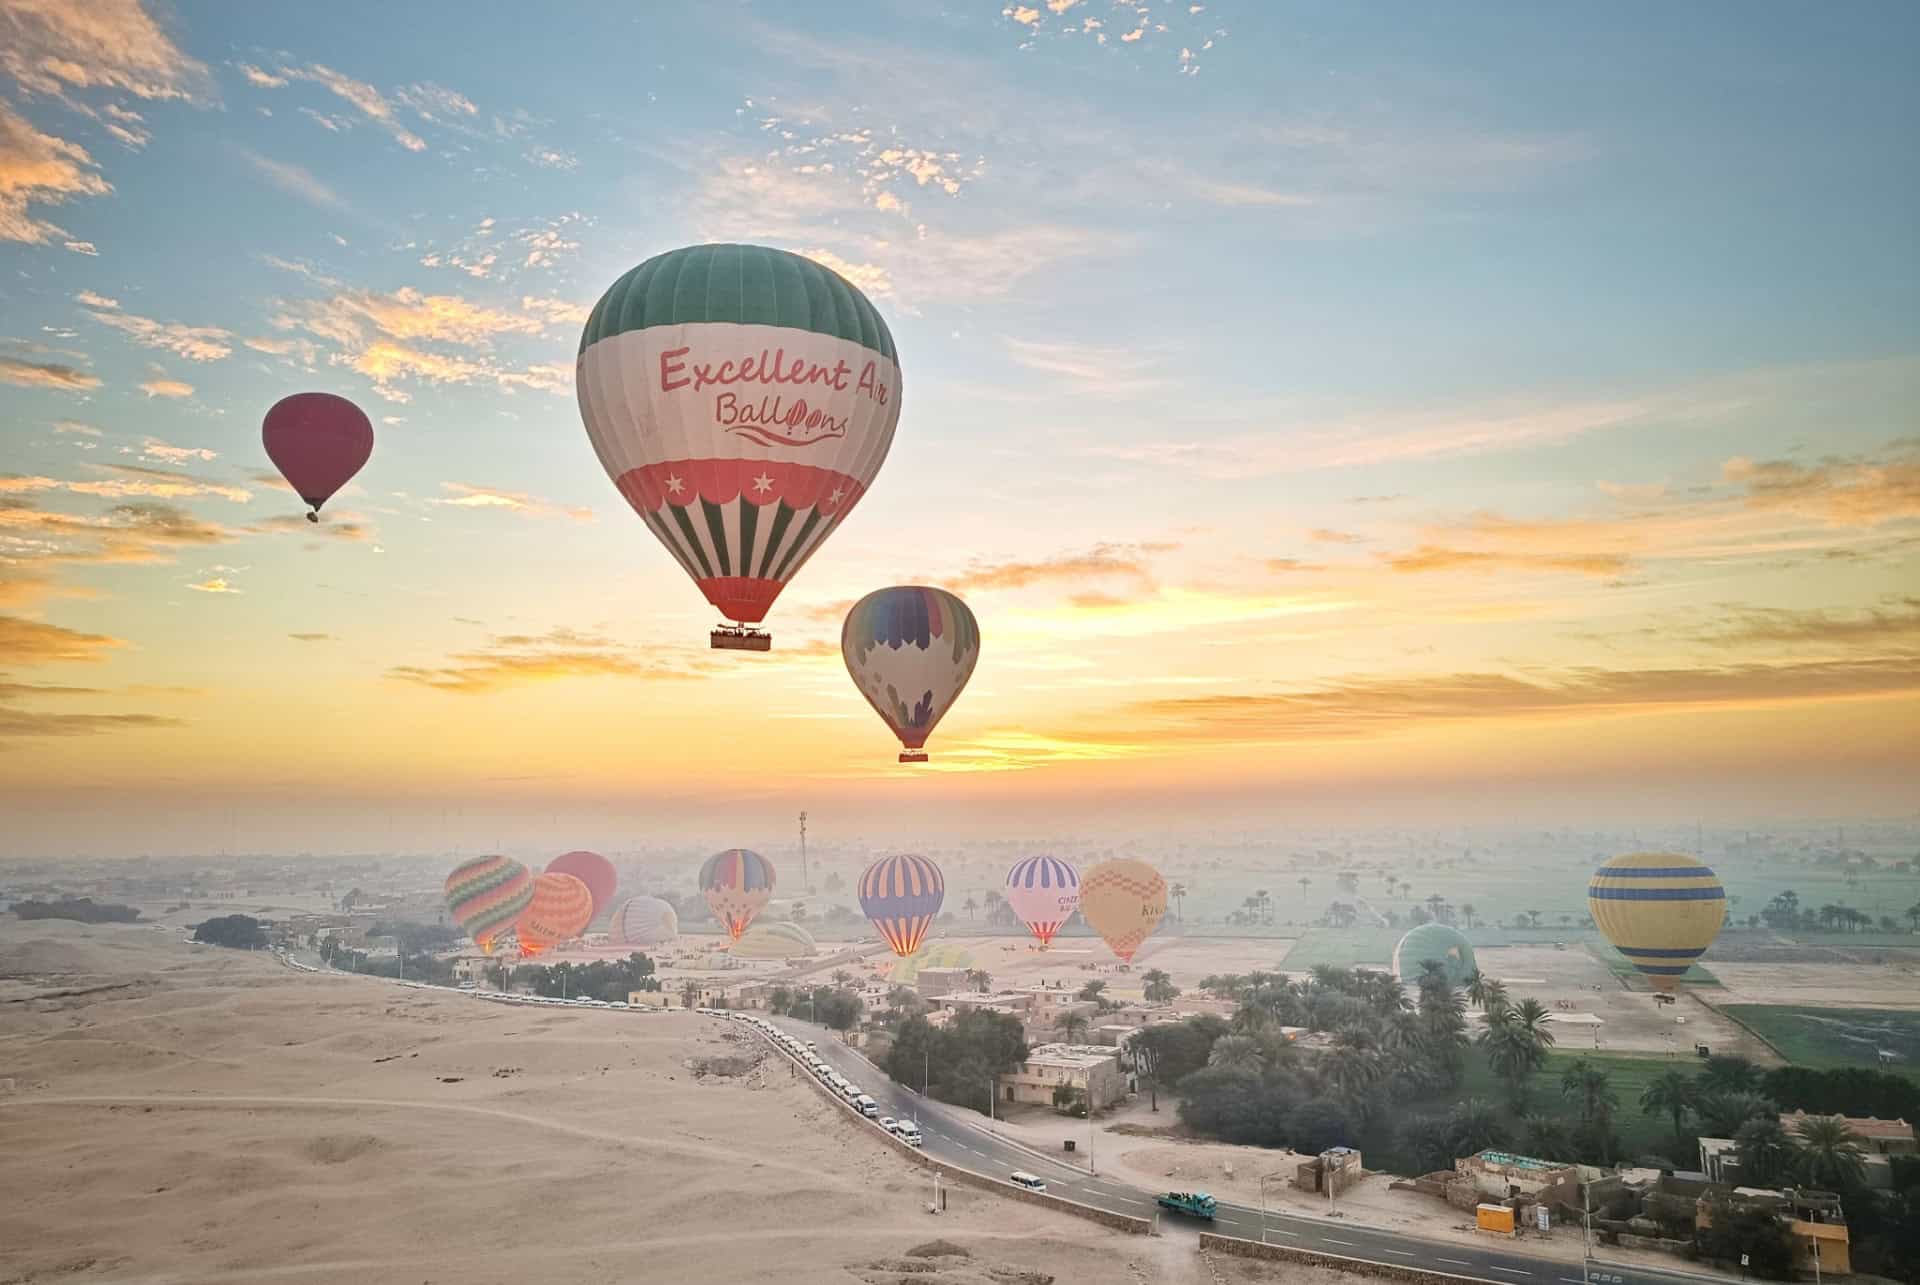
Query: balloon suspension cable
x=730, y=637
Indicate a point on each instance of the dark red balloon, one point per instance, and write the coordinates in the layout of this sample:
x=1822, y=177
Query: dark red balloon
x=589, y=868
x=318, y=442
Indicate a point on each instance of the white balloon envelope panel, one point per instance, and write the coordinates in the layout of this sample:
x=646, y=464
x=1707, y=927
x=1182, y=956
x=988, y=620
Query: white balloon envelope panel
x=742, y=399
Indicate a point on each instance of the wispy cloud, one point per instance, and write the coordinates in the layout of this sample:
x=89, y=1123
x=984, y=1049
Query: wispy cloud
x=296, y=181
x=121, y=481
x=195, y=343
x=1102, y=561
x=160, y=386
x=35, y=642
x=370, y=102
x=104, y=44
x=38, y=169
x=312, y=637
x=1432, y=558
x=516, y=659
x=54, y=375
x=462, y=495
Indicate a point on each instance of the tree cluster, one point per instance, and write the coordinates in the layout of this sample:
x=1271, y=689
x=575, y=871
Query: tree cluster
x=959, y=1062
x=241, y=932
x=80, y=909
x=611, y=980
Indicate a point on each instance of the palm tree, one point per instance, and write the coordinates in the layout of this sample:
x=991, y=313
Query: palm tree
x=1237, y=1053
x=1722, y=1114
x=1159, y=988
x=1533, y=919
x=1674, y=1092
x=1496, y=996
x=1766, y=1152
x=970, y=906
x=1266, y=903
x=1071, y=1026
x=1547, y=1138
x=1516, y=1042
x=1466, y=912
x=1434, y=902
x=1592, y=1087
x=1092, y=990
x=1179, y=894
x=1474, y=1125
x=1829, y=1153
x=1913, y=916
x=1476, y=987
x=1305, y=883
x=690, y=995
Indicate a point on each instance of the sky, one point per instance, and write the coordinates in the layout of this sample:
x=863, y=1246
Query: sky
x=1329, y=413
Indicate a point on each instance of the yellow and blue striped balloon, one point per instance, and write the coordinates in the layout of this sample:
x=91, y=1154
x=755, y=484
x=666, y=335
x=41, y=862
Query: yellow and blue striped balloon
x=1660, y=910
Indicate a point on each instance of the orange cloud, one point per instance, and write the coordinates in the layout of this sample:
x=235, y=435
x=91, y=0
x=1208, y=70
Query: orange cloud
x=511, y=660
x=34, y=642
x=1432, y=558
x=1126, y=561
x=1842, y=492
x=54, y=375
x=166, y=388
x=51, y=48
x=462, y=495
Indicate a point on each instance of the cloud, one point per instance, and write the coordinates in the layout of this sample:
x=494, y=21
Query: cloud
x=313, y=637
x=49, y=47
x=1322, y=535
x=87, y=248
x=195, y=343
x=20, y=724
x=296, y=182
x=407, y=314
x=1841, y=492
x=1370, y=706
x=1090, y=368
x=54, y=375
x=123, y=481
x=516, y=659
x=214, y=584
x=76, y=428
x=436, y=103
x=555, y=312
x=464, y=496
x=379, y=335
x=34, y=642
x=870, y=278
x=364, y=97
x=1896, y=624
x=349, y=527
x=552, y=158
x=262, y=79
x=154, y=448
x=1433, y=558
x=1102, y=561
x=166, y=388
x=38, y=169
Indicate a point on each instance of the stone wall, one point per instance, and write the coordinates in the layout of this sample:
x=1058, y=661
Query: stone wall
x=1213, y=1243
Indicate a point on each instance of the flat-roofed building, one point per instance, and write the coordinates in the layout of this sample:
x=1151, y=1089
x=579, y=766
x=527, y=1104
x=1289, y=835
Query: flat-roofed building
x=1092, y=1068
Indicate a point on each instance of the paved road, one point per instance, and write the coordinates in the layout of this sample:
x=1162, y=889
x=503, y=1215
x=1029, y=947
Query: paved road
x=959, y=1137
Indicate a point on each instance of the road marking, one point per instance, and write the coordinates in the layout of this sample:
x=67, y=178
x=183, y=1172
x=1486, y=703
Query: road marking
x=1404, y=1253
x=1331, y=1241
x=1279, y=1231
x=1573, y=1280
x=1457, y=1262
x=1511, y=1271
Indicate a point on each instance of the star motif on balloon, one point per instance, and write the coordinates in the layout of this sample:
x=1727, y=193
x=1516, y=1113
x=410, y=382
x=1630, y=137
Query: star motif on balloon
x=675, y=485
x=833, y=496
x=762, y=484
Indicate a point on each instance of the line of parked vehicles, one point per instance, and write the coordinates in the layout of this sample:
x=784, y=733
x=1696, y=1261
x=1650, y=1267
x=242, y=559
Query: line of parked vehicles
x=805, y=1052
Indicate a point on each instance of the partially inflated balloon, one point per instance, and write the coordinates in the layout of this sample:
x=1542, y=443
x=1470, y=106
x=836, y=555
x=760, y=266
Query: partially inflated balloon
x=486, y=895
x=742, y=399
x=643, y=921
x=910, y=650
x=560, y=911
x=589, y=868
x=1660, y=910
x=318, y=442
x=737, y=885
x=1044, y=892
x=901, y=895
x=1123, y=900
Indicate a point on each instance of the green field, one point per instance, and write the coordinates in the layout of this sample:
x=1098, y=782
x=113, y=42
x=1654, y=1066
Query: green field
x=1343, y=948
x=1827, y=1037
x=1639, y=1133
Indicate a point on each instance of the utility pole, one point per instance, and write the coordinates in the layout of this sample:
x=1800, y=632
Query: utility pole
x=805, y=880
x=1586, y=1241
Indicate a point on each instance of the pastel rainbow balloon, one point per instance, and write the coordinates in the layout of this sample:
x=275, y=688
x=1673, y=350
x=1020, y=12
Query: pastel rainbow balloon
x=737, y=884
x=485, y=895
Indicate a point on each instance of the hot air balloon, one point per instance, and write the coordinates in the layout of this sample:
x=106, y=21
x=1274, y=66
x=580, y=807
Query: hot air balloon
x=738, y=885
x=318, y=442
x=1123, y=900
x=1044, y=892
x=901, y=895
x=910, y=650
x=643, y=921
x=485, y=895
x=593, y=870
x=560, y=911
x=1660, y=910
x=743, y=400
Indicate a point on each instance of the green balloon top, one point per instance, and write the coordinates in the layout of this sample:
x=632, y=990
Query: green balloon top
x=743, y=284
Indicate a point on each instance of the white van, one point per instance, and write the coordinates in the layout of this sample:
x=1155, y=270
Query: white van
x=909, y=1133
x=1028, y=1181
x=868, y=1107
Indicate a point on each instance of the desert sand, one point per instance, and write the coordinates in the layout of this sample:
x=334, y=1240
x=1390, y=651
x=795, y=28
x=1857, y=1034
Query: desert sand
x=177, y=1113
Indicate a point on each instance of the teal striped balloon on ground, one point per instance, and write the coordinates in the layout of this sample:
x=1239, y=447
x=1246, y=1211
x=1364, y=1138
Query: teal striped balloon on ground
x=1660, y=910
x=486, y=895
x=742, y=399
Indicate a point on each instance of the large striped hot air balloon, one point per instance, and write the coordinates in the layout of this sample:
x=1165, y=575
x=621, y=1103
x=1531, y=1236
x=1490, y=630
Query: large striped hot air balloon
x=1044, y=892
x=910, y=650
x=1660, y=910
x=485, y=895
x=1123, y=901
x=643, y=921
x=737, y=885
x=560, y=911
x=901, y=895
x=743, y=400
x=593, y=870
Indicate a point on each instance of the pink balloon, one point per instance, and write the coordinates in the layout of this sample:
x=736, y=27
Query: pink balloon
x=589, y=868
x=318, y=442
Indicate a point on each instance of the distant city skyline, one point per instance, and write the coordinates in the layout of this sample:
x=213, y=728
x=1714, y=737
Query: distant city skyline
x=1368, y=415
